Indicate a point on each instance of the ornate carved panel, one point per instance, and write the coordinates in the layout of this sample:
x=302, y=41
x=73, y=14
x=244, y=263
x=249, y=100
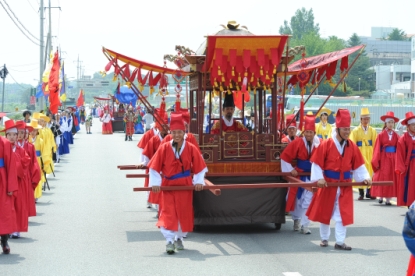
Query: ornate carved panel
x=194, y=81
x=261, y=141
x=238, y=144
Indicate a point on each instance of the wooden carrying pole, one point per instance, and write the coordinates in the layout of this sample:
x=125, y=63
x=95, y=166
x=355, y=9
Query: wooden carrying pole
x=264, y=186
x=259, y=174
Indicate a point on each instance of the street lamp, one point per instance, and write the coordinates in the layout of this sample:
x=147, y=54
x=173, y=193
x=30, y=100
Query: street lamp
x=359, y=84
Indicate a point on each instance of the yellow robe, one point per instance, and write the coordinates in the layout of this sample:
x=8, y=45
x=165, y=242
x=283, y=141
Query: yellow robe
x=323, y=133
x=366, y=143
x=38, y=143
x=49, y=146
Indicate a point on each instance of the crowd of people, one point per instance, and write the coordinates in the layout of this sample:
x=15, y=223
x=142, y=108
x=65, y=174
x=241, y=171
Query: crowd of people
x=329, y=153
x=29, y=150
x=135, y=120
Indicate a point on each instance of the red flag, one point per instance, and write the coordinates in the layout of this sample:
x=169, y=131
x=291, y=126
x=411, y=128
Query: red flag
x=80, y=101
x=54, y=85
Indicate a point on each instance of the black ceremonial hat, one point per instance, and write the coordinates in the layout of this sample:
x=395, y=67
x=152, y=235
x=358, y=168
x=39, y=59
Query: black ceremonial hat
x=228, y=101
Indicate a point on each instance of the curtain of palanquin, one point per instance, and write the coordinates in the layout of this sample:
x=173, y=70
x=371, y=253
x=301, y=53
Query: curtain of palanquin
x=232, y=58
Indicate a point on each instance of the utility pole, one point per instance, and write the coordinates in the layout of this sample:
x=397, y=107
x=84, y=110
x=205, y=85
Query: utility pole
x=42, y=66
x=3, y=74
x=50, y=30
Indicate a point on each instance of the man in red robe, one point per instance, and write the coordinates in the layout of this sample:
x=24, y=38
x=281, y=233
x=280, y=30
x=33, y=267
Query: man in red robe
x=22, y=167
x=8, y=186
x=189, y=137
x=153, y=132
x=34, y=173
x=129, y=120
x=405, y=162
x=227, y=122
x=148, y=153
x=291, y=125
x=301, y=149
x=334, y=161
x=172, y=165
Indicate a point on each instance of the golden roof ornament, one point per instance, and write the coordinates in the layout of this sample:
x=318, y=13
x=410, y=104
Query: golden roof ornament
x=232, y=25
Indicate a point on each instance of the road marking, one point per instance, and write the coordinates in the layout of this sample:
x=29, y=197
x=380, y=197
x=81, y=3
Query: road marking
x=291, y=274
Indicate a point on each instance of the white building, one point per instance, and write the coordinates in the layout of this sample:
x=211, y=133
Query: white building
x=404, y=82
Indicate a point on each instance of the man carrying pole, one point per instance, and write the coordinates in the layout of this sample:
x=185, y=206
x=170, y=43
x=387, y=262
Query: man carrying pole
x=301, y=149
x=334, y=161
x=175, y=161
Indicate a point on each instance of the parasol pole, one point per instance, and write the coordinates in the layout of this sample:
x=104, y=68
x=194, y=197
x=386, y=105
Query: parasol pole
x=342, y=78
x=338, y=83
x=137, y=92
x=283, y=92
x=309, y=96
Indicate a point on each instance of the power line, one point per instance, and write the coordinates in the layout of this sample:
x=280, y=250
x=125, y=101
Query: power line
x=24, y=70
x=20, y=22
x=32, y=6
x=19, y=65
x=18, y=25
x=16, y=81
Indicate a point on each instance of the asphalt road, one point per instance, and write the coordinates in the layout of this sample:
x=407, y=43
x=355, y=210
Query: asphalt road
x=92, y=223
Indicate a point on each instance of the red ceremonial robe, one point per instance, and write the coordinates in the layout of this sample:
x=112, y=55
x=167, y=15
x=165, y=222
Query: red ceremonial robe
x=34, y=176
x=142, y=144
x=328, y=158
x=383, y=164
x=405, y=168
x=8, y=183
x=145, y=138
x=411, y=266
x=106, y=124
x=149, y=151
x=25, y=188
x=236, y=126
x=287, y=140
x=177, y=206
x=295, y=150
x=190, y=138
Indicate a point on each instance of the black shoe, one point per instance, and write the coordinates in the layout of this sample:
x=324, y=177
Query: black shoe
x=125, y=138
x=4, y=244
x=388, y=204
x=380, y=200
x=369, y=196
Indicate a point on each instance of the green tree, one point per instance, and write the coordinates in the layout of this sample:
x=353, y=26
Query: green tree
x=300, y=24
x=397, y=34
x=360, y=77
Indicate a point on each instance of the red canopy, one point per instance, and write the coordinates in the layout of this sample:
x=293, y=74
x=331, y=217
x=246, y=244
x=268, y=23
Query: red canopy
x=141, y=64
x=319, y=61
x=234, y=58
